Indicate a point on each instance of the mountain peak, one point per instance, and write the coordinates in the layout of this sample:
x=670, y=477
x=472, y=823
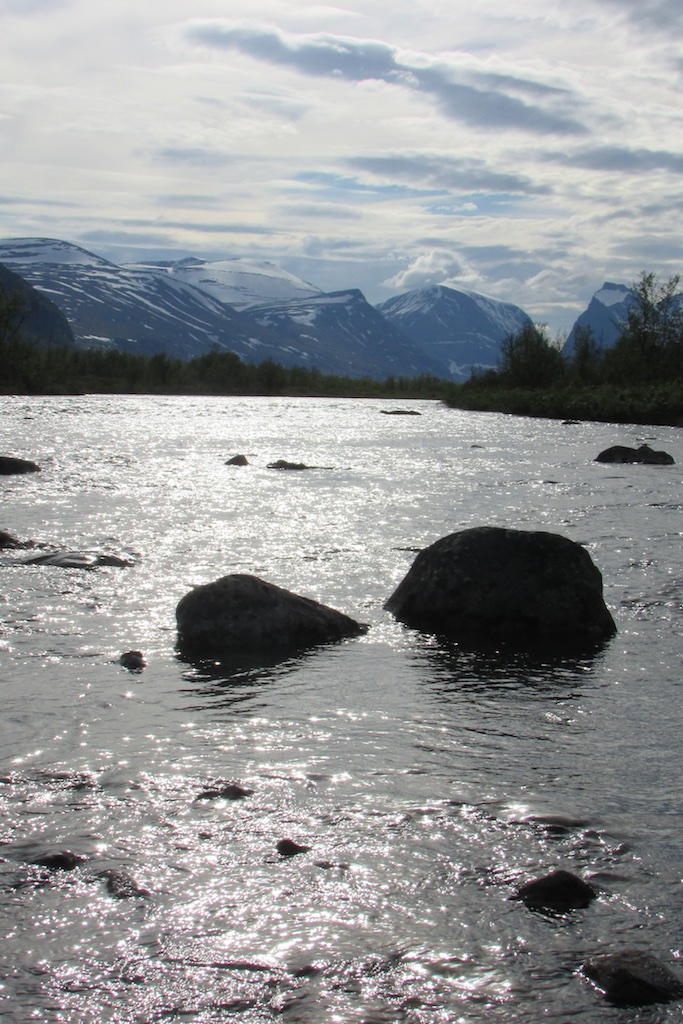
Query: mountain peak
x=461, y=329
x=48, y=250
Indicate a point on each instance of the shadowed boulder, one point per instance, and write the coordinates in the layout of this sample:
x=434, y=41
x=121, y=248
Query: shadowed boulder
x=238, y=460
x=620, y=453
x=488, y=585
x=244, y=614
x=558, y=891
x=10, y=465
x=633, y=978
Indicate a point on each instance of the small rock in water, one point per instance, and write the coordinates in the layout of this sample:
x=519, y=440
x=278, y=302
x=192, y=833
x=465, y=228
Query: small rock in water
x=237, y=460
x=288, y=848
x=284, y=464
x=133, y=660
x=8, y=541
x=558, y=891
x=62, y=860
x=80, y=560
x=121, y=886
x=633, y=978
x=232, y=791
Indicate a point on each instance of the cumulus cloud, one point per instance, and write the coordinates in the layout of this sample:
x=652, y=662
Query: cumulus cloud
x=426, y=270
x=462, y=93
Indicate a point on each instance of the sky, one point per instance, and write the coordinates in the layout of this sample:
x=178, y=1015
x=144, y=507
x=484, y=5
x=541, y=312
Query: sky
x=526, y=149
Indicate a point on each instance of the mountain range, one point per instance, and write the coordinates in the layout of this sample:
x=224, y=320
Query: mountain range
x=187, y=307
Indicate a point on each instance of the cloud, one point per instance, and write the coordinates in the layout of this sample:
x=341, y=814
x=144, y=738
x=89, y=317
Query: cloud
x=461, y=91
x=196, y=155
x=426, y=270
x=445, y=172
x=663, y=15
x=624, y=160
x=28, y=7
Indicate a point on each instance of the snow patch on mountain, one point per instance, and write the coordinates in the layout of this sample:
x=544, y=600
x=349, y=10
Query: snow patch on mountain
x=604, y=316
x=240, y=283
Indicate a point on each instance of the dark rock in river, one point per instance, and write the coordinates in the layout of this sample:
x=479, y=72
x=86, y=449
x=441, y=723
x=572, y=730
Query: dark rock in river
x=9, y=465
x=225, y=791
x=559, y=891
x=283, y=464
x=488, y=585
x=62, y=860
x=120, y=885
x=621, y=454
x=8, y=541
x=288, y=848
x=633, y=978
x=79, y=560
x=400, y=412
x=241, y=613
x=238, y=460
x=133, y=660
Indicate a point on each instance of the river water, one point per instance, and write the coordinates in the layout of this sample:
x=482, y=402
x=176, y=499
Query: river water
x=428, y=783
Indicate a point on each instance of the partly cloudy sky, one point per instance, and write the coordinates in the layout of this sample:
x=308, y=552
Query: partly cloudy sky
x=529, y=149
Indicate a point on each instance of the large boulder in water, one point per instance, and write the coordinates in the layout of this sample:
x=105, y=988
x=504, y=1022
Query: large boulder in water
x=488, y=585
x=241, y=614
x=620, y=454
x=9, y=465
x=633, y=978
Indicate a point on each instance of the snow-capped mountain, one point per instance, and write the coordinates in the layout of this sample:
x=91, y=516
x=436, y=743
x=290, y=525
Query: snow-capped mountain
x=342, y=332
x=606, y=311
x=131, y=309
x=35, y=319
x=238, y=282
x=152, y=308
x=461, y=330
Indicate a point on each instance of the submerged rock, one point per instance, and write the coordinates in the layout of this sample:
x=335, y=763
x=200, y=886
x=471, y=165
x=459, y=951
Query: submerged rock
x=225, y=791
x=489, y=585
x=10, y=465
x=284, y=464
x=619, y=453
x=60, y=860
x=559, y=891
x=120, y=885
x=79, y=560
x=242, y=613
x=633, y=978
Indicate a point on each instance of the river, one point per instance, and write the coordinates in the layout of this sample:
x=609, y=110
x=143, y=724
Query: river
x=427, y=782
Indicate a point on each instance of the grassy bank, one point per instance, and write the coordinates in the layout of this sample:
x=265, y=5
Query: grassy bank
x=656, y=403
